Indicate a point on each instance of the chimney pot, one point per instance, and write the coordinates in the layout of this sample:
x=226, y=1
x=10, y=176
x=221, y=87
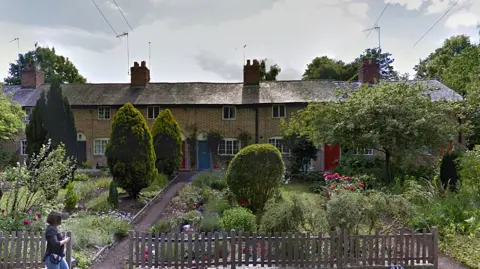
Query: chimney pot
x=135, y=64
x=251, y=73
x=144, y=64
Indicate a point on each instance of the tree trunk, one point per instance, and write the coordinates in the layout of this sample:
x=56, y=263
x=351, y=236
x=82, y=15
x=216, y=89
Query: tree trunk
x=388, y=166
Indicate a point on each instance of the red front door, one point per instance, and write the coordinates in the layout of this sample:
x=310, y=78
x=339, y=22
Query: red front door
x=184, y=145
x=331, y=156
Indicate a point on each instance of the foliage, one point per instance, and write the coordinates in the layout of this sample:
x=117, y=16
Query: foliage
x=193, y=217
x=302, y=152
x=7, y=158
x=49, y=62
x=130, y=153
x=11, y=117
x=448, y=170
x=255, y=174
x=113, y=195
x=210, y=223
x=393, y=118
x=71, y=198
x=238, y=219
x=217, y=206
x=461, y=70
x=313, y=176
x=337, y=184
x=285, y=216
x=213, y=139
x=21, y=222
x=244, y=138
x=469, y=170
x=161, y=226
x=81, y=177
x=271, y=74
x=460, y=248
x=214, y=179
x=99, y=203
x=186, y=198
x=35, y=131
x=167, y=141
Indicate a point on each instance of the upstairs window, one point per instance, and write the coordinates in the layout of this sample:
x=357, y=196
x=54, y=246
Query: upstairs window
x=229, y=113
x=363, y=151
x=279, y=144
x=104, y=113
x=279, y=111
x=228, y=147
x=152, y=112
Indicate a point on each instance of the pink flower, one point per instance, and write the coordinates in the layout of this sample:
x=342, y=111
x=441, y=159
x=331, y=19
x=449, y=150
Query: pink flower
x=336, y=175
x=349, y=178
x=352, y=188
x=26, y=222
x=39, y=216
x=333, y=186
x=361, y=185
x=325, y=175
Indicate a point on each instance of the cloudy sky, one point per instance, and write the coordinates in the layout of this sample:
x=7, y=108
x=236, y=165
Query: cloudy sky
x=202, y=40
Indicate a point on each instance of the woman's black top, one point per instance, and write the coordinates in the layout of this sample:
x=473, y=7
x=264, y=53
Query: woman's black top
x=53, y=237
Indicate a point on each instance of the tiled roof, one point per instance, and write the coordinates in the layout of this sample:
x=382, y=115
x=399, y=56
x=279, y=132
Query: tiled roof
x=200, y=93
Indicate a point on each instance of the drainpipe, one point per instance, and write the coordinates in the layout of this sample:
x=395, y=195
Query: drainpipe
x=256, y=125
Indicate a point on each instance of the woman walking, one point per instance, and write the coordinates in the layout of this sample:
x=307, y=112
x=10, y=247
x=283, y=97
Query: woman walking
x=55, y=253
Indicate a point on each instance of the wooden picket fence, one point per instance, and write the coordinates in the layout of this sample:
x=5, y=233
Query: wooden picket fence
x=26, y=250
x=336, y=250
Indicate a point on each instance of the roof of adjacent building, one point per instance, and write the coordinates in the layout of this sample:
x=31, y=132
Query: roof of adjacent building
x=201, y=93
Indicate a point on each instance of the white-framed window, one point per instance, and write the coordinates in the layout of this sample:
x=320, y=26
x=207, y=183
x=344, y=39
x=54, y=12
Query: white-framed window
x=228, y=146
x=278, y=142
x=229, y=113
x=104, y=113
x=99, y=146
x=279, y=111
x=363, y=151
x=152, y=112
x=28, y=112
x=23, y=147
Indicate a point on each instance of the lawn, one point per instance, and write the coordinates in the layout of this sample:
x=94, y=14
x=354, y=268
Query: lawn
x=301, y=190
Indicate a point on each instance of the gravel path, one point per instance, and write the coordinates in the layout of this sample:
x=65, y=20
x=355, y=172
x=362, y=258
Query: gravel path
x=116, y=258
x=445, y=262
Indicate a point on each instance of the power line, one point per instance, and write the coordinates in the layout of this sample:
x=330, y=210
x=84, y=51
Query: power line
x=444, y=14
x=105, y=17
x=121, y=12
x=381, y=14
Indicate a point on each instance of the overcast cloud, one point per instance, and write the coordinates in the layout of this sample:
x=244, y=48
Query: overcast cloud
x=202, y=40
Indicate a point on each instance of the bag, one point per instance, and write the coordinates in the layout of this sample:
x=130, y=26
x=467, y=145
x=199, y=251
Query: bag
x=54, y=258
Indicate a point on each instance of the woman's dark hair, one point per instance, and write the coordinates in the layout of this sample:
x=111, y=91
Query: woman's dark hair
x=54, y=218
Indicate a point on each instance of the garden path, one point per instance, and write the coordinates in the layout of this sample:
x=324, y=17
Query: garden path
x=116, y=257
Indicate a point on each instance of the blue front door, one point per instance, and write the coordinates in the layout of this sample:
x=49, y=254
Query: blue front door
x=203, y=155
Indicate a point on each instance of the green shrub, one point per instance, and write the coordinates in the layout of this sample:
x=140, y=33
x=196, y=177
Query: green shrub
x=313, y=176
x=210, y=223
x=317, y=187
x=255, y=173
x=99, y=203
x=167, y=142
x=71, y=198
x=161, y=226
x=192, y=217
x=282, y=217
x=130, y=153
x=81, y=177
x=217, y=206
x=240, y=219
x=113, y=195
x=213, y=179
x=186, y=198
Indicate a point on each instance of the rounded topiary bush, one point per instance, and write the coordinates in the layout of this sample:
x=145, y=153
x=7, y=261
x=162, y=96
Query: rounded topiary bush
x=167, y=141
x=255, y=173
x=239, y=219
x=130, y=154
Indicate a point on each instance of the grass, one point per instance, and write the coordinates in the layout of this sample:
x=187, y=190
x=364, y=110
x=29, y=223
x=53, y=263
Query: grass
x=86, y=189
x=300, y=190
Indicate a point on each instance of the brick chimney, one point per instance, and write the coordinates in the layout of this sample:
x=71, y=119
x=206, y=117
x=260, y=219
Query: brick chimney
x=251, y=73
x=139, y=75
x=369, y=71
x=32, y=76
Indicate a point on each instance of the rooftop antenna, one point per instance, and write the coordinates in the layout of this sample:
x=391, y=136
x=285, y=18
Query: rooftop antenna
x=244, y=53
x=128, y=51
x=378, y=30
x=149, y=54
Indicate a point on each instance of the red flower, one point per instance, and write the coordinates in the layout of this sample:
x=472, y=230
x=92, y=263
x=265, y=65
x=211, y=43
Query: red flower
x=216, y=166
x=39, y=216
x=243, y=203
x=195, y=205
x=26, y=222
x=349, y=178
x=3, y=211
x=344, y=187
x=333, y=186
x=361, y=185
x=336, y=175
x=325, y=175
x=352, y=188
x=34, y=219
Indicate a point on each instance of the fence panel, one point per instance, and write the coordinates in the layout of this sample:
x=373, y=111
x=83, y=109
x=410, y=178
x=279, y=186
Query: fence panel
x=26, y=250
x=339, y=249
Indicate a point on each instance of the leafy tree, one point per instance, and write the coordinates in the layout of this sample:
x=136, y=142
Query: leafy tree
x=435, y=65
x=11, y=117
x=71, y=197
x=397, y=119
x=49, y=62
x=35, y=131
x=167, y=141
x=271, y=74
x=461, y=70
x=302, y=151
x=252, y=182
x=385, y=61
x=53, y=119
x=130, y=153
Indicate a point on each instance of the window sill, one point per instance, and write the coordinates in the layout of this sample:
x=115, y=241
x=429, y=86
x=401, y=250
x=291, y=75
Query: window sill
x=229, y=119
x=226, y=155
x=99, y=154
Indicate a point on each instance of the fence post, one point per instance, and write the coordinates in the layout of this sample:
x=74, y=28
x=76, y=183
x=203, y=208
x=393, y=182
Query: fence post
x=339, y=248
x=232, y=249
x=130, y=249
x=69, y=250
x=435, y=247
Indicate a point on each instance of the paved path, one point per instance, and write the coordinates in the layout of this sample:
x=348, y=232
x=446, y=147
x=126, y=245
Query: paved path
x=116, y=257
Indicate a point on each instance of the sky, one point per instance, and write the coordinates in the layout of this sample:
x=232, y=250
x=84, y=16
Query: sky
x=203, y=40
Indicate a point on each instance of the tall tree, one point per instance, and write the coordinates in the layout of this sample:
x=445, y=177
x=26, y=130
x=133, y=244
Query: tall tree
x=271, y=74
x=130, y=153
x=398, y=119
x=436, y=63
x=52, y=118
x=11, y=117
x=167, y=141
x=326, y=68
x=49, y=62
